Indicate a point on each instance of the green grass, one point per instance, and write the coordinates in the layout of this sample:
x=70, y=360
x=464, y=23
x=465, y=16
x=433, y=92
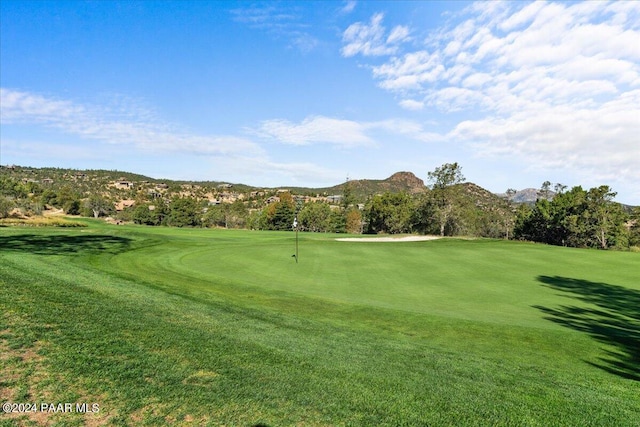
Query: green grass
x=195, y=327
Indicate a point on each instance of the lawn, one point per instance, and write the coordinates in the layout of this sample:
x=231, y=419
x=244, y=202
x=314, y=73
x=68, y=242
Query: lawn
x=221, y=327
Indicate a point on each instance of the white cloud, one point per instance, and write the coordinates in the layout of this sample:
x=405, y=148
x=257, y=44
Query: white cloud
x=304, y=42
x=601, y=142
x=521, y=17
x=262, y=17
x=349, y=6
x=133, y=127
x=339, y=132
x=555, y=84
x=266, y=172
x=398, y=34
x=369, y=39
x=19, y=106
x=410, y=104
x=128, y=128
x=280, y=23
x=316, y=129
x=410, y=72
x=46, y=151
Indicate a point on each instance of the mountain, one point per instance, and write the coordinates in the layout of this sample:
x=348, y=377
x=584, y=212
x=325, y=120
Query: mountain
x=363, y=188
x=528, y=196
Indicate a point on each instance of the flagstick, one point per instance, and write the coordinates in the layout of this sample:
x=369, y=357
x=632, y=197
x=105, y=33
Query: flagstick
x=295, y=226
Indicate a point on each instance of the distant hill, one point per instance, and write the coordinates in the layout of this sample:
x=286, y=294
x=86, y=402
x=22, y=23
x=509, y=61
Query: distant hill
x=480, y=196
x=528, y=196
x=362, y=188
x=88, y=181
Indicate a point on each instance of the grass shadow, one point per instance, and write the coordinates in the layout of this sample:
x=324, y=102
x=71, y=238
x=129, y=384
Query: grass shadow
x=614, y=320
x=64, y=244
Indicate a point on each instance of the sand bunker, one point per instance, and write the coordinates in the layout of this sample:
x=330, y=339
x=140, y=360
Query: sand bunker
x=388, y=239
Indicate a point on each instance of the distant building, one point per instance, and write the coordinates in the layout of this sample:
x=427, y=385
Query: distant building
x=123, y=184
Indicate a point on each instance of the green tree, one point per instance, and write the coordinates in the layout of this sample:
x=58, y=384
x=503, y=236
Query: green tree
x=284, y=213
x=72, y=207
x=423, y=215
x=184, y=212
x=278, y=215
x=13, y=188
x=254, y=220
x=6, y=205
x=445, y=192
x=234, y=215
x=555, y=222
x=389, y=213
x=545, y=191
x=33, y=188
x=49, y=197
x=237, y=214
x=99, y=205
x=348, y=198
x=67, y=198
x=634, y=229
x=575, y=218
x=216, y=216
x=376, y=212
x=160, y=212
x=603, y=218
x=315, y=217
x=559, y=188
x=142, y=215
x=337, y=221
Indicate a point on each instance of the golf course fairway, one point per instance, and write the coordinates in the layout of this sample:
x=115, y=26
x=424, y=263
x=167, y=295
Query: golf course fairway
x=168, y=326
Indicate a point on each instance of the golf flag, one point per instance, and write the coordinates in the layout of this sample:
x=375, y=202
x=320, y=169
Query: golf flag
x=295, y=222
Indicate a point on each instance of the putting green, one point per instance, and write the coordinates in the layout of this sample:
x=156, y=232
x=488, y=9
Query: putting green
x=483, y=280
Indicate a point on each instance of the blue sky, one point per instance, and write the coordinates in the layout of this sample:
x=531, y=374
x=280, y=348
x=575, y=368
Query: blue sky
x=308, y=93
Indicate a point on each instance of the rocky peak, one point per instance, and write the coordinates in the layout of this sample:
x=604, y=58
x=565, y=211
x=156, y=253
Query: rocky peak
x=408, y=179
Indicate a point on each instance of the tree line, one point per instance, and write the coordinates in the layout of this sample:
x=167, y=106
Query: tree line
x=448, y=207
x=579, y=218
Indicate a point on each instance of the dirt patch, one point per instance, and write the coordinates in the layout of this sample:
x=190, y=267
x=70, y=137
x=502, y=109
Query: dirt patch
x=388, y=239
